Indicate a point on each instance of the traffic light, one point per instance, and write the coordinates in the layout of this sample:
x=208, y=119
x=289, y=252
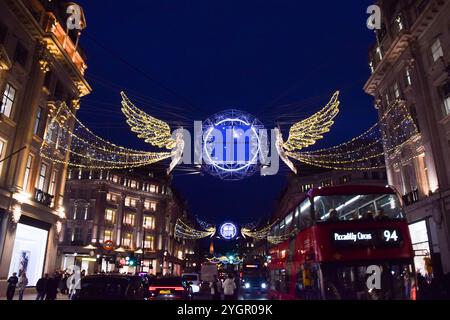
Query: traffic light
x=132, y=261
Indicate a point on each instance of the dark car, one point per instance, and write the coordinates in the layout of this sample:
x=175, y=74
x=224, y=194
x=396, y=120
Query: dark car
x=170, y=288
x=110, y=287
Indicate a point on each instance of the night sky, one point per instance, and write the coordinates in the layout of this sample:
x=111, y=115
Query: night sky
x=181, y=61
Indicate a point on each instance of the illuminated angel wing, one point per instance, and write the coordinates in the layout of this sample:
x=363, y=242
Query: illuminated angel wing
x=154, y=131
x=306, y=132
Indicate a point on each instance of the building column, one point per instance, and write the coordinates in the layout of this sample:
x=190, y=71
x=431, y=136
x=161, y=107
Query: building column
x=28, y=109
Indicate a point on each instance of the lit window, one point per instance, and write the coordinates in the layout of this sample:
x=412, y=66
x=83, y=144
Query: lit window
x=2, y=149
x=371, y=66
x=129, y=219
x=77, y=234
x=149, y=222
x=111, y=197
x=446, y=96
x=388, y=99
x=380, y=53
x=37, y=122
x=408, y=77
x=436, y=50
x=153, y=188
x=149, y=243
x=396, y=91
x=130, y=202
x=42, y=177
x=126, y=240
x=52, y=189
x=399, y=22
x=115, y=179
x=8, y=99
x=108, y=235
x=110, y=215
x=150, y=205
x=26, y=178
x=133, y=184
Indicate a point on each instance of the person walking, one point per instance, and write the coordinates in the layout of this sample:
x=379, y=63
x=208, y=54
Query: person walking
x=22, y=285
x=63, y=284
x=11, y=289
x=52, y=288
x=41, y=287
x=216, y=287
x=229, y=286
x=237, y=282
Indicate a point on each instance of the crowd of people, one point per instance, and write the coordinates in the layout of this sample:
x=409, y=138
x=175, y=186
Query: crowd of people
x=433, y=288
x=229, y=287
x=47, y=288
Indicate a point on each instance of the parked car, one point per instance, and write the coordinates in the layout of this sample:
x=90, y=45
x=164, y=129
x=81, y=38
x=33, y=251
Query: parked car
x=170, y=288
x=110, y=287
x=194, y=280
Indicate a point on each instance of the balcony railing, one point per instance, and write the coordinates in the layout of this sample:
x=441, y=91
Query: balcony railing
x=411, y=197
x=43, y=198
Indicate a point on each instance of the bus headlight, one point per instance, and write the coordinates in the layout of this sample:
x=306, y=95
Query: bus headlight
x=247, y=285
x=263, y=285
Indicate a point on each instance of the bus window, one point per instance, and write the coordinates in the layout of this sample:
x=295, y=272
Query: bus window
x=367, y=212
x=390, y=205
x=303, y=215
x=347, y=205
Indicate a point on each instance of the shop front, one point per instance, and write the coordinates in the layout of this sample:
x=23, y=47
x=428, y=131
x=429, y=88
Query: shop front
x=30, y=249
x=426, y=247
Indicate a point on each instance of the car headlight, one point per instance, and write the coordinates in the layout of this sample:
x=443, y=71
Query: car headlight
x=247, y=285
x=263, y=285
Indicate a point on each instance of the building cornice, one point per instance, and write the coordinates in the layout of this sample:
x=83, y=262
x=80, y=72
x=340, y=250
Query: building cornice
x=50, y=34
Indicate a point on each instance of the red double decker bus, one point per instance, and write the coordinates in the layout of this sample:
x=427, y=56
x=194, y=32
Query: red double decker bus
x=344, y=242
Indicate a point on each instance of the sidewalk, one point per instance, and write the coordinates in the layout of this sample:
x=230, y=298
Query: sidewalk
x=32, y=296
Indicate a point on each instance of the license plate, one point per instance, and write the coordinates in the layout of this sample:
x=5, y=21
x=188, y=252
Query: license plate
x=164, y=292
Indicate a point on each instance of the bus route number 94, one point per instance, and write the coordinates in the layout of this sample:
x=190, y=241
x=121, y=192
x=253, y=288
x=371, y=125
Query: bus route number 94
x=390, y=235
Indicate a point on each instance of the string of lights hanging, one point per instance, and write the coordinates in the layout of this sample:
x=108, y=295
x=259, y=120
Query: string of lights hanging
x=184, y=231
x=368, y=150
x=88, y=150
x=257, y=234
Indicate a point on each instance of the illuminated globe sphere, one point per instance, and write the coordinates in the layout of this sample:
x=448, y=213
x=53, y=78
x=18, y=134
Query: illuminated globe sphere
x=228, y=231
x=231, y=145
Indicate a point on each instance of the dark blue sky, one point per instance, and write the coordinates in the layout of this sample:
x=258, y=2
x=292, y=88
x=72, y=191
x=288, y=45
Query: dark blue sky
x=280, y=60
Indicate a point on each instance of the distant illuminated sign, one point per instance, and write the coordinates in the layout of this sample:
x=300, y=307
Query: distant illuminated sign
x=228, y=231
x=367, y=238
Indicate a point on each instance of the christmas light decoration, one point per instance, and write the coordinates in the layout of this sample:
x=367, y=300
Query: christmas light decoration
x=225, y=260
x=87, y=150
x=306, y=132
x=154, y=131
x=257, y=234
x=395, y=130
x=184, y=231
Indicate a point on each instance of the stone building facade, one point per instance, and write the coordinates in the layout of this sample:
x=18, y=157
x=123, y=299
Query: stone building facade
x=114, y=217
x=40, y=66
x=410, y=65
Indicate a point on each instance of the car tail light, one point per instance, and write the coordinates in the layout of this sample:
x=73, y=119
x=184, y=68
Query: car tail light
x=166, y=288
